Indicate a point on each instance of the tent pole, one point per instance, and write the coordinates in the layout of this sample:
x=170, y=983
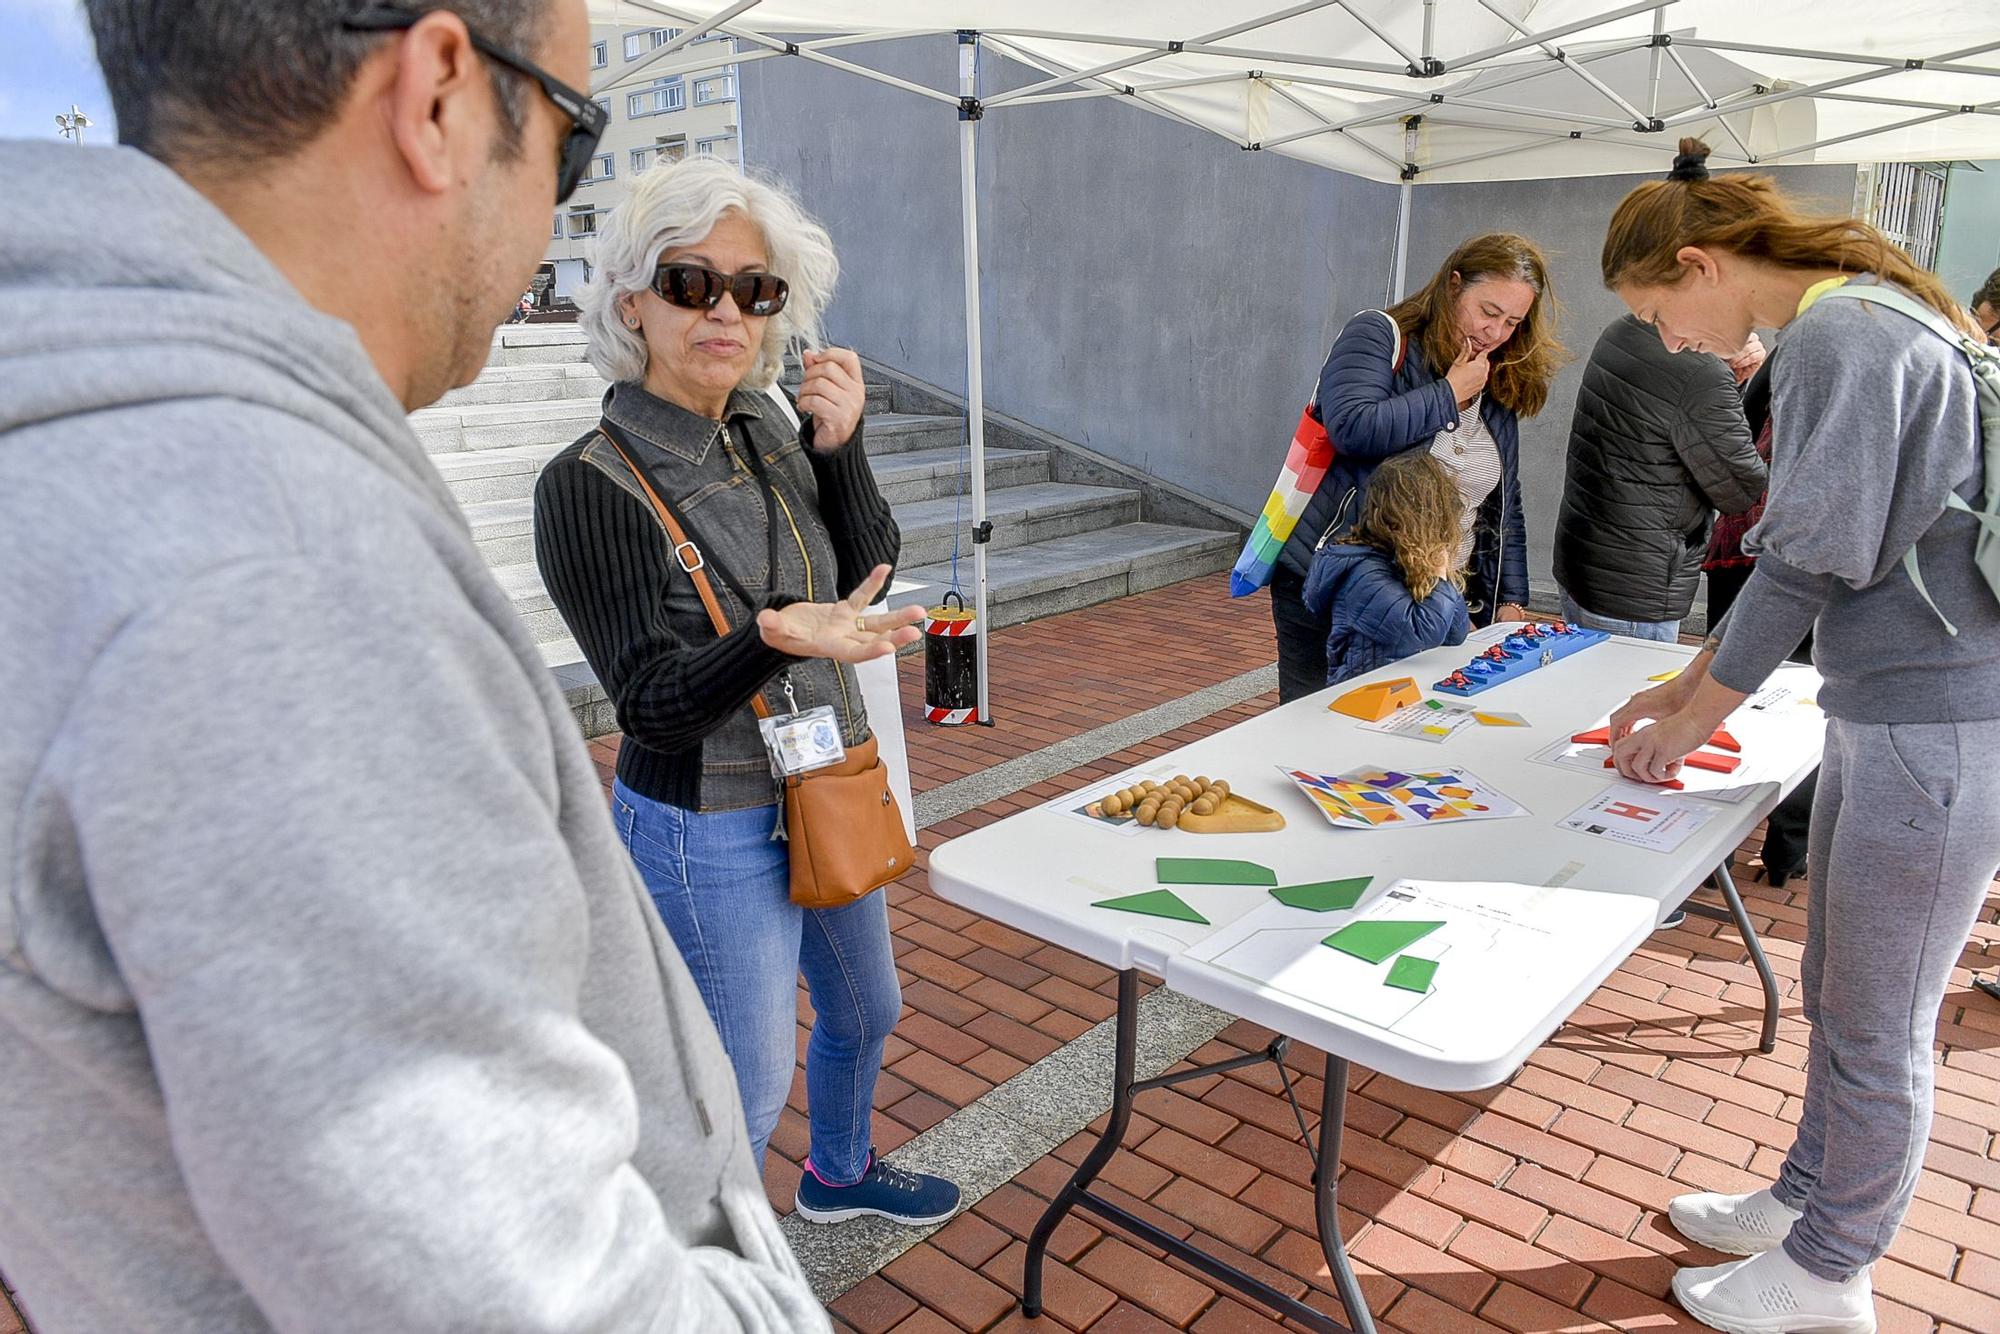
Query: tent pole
x=975, y=379
x=1402, y=242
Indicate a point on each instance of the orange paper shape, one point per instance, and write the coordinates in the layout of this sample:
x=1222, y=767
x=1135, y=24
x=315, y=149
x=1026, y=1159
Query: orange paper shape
x=1722, y=764
x=1723, y=741
x=1597, y=737
x=1373, y=703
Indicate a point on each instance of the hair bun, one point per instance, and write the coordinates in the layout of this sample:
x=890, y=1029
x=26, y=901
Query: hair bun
x=1691, y=163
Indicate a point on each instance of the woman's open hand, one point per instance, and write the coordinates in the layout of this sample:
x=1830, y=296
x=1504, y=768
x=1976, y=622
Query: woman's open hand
x=842, y=631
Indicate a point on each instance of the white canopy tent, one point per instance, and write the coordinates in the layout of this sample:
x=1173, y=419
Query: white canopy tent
x=1414, y=91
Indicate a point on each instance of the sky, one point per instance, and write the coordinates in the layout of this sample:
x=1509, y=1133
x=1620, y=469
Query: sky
x=46, y=64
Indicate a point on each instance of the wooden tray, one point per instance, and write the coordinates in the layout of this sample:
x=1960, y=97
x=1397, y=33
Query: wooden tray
x=1237, y=815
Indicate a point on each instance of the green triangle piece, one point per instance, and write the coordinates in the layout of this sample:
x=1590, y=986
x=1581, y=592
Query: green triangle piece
x=1213, y=871
x=1375, y=941
x=1411, y=973
x=1326, y=896
x=1154, y=903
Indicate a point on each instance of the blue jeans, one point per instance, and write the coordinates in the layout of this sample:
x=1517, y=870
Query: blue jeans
x=722, y=887
x=1665, y=632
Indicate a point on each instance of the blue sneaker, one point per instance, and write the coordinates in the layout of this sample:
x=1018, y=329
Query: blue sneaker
x=884, y=1191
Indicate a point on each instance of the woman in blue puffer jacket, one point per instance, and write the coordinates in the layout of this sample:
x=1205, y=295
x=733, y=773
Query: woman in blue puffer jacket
x=1451, y=369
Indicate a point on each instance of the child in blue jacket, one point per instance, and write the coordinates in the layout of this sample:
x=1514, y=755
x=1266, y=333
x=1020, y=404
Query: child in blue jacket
x=1390, y=580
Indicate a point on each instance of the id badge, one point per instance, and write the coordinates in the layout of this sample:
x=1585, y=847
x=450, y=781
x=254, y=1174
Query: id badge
x=802, y=742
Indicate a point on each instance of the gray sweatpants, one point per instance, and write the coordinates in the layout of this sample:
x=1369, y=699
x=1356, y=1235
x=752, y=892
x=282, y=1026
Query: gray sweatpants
x=1905, y=843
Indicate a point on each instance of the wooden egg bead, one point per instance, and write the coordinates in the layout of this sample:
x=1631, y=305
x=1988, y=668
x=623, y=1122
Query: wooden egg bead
x=1202, y=781
x=1114, y=804
x=1170, y=818
x=1180, y=778
x=1220, y=791
x=1149, y=786
x=1148, y=812
x=1205, y=806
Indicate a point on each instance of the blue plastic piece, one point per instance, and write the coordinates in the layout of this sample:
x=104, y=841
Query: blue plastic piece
x=1518, y=654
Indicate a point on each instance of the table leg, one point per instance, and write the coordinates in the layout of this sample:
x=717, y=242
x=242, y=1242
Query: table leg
x=1725, y=885
x=1123, y=1062
x=1076, y=1193
x=1326, y=1193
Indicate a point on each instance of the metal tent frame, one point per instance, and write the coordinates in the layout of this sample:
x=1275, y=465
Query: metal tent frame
x=1407, y=86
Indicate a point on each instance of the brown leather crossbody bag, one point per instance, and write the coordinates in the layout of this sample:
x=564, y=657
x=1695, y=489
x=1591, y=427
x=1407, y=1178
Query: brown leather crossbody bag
x=842, y=822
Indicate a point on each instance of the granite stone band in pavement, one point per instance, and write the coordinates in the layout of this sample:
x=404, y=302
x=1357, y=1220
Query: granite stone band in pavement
x=984, y=1146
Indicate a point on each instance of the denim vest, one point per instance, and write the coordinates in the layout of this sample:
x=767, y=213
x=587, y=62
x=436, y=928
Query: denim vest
x=699, y=468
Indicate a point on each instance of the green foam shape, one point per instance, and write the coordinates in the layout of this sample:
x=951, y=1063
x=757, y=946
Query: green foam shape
x=1375, y=941
x=1213, y=871
x=1154, y=903
x=1411, y=973
x=1326, y=895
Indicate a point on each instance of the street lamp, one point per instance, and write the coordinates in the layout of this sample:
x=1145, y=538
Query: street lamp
x=73, y=123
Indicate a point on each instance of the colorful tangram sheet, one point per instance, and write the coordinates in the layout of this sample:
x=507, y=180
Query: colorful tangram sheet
x=1379, y=798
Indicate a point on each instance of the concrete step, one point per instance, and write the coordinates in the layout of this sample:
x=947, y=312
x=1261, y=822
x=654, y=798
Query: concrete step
x=504, y=530
x=505, y=424
x=527, y=384
x=1062, y=574
x=535, y=344
x=1021, y=515
x=932, y=474
x=495, y=474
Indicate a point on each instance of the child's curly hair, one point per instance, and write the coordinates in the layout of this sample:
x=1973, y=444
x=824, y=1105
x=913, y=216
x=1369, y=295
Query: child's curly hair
x=1412, y=513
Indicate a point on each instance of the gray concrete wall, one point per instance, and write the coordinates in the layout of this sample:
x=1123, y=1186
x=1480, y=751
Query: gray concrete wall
x=1567, y=219
x=1150, y=291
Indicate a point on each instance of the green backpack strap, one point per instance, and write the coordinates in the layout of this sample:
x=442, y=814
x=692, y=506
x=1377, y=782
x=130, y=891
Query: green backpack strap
x=1984, y=364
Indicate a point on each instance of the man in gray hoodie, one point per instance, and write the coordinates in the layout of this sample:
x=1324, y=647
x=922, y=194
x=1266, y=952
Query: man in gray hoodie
x=328, y=998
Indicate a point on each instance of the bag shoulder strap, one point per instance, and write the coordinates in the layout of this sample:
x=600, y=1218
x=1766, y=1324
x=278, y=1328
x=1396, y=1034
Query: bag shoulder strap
x=1401, y=344
x=689, y=558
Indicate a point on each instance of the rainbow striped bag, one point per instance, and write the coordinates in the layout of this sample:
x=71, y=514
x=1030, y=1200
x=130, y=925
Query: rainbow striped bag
x=1305, y=468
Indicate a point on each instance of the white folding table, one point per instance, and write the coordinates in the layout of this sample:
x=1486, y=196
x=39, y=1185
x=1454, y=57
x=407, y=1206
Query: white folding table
x=1041, y=870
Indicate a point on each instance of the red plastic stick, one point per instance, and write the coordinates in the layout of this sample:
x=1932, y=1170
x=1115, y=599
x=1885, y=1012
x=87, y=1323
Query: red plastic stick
x=1722, y=764
x=1599, y=737
x=1723, y=741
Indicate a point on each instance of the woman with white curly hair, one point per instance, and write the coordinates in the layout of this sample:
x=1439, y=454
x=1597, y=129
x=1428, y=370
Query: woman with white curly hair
x=704, y=279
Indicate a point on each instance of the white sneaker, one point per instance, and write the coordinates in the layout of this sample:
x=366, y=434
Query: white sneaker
x=1771, y=1294
x=1733, y=1224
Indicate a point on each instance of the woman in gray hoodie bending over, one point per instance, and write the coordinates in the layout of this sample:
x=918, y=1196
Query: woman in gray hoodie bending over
x=1876, y=426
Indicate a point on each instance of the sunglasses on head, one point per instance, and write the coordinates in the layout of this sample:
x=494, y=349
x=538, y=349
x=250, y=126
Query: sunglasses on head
x=586, y=118
x=697, y=287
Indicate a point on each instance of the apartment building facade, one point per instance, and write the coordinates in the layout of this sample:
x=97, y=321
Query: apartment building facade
x=652, y=120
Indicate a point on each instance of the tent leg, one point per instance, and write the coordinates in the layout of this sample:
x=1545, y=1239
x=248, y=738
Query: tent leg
x=1400, y=276
x=975, y=380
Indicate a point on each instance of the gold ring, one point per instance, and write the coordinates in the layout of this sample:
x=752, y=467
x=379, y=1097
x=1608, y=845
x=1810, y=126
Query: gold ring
x=861, y=624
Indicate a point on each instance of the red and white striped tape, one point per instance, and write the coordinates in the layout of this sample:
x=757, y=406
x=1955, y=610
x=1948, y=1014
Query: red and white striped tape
x=950, y=717
x=951, y=627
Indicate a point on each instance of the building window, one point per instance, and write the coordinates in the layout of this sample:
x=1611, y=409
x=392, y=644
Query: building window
x=722, y=146
x=639, y=43
x=674, y=148
x=602, y=168
x=557, y=233
x=584, y=222
x=715, y=88
x=642, y=158
x=600, y=54
x=668, y=94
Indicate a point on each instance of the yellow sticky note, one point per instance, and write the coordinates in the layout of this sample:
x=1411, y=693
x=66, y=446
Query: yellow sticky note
x=1665, y=676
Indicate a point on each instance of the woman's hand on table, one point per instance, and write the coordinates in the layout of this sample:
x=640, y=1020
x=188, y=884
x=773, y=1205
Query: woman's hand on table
x=843, y=630
x=1654, y=754
x=835, y=394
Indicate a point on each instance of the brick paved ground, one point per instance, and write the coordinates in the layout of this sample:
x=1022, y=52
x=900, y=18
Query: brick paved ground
x=1535, y=1207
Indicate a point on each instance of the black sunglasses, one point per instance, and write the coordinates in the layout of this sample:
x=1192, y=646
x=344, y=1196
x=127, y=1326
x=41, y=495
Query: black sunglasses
x=586, y=118
x=698, y=288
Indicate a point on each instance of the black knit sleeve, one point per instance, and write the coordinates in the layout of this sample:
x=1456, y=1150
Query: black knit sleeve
x=606, y=565
x=858, y=518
